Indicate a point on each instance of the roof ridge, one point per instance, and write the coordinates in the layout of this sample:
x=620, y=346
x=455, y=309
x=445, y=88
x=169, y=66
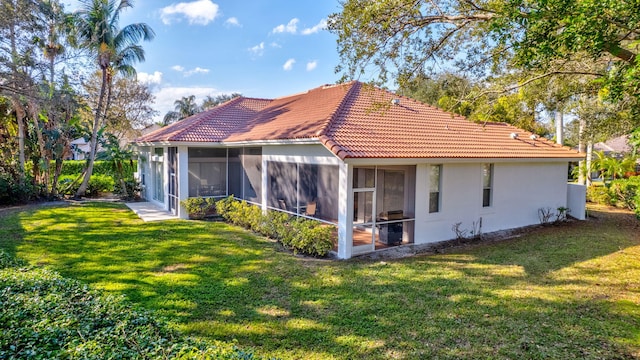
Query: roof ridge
x=202, y=116
x=331, y=117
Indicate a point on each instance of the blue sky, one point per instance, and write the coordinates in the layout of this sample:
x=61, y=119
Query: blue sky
x=262, y=49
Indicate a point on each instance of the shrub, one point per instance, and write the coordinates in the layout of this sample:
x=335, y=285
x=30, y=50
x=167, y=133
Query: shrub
x=46, y=316
x=623, y=192
x=300, y=235
x=100, y=167
x=12, y=192
x=97, y=184
x=598, y=194
x=309, y=237
x=133, y=188
x=198, y=207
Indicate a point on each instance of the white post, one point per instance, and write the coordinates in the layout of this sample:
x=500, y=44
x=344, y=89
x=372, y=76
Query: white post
x=265, y=183
x=183, y=179
x=345, y=208
x=165, y=177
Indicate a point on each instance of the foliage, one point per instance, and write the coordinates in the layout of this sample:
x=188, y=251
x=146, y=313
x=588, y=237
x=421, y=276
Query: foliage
x=132, y=189
x=624, y=193
x=115, y=50
x=198, y=207
x=183, y=108
x=610, y=167
x=209, y=102
x=599, y=194
x=12, y=191
x=300, y=235
x=130, y=107
x=562, y=292
x=75, y=167
x=453, y=93
x=48, y=316
x=97, y=184
x=397, y=39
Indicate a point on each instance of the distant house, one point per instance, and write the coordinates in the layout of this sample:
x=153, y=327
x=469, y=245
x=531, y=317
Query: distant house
x=616, y=146
x=386, y=170
x=79, y=149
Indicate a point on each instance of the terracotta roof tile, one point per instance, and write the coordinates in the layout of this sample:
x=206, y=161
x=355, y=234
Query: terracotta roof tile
x=354, y=120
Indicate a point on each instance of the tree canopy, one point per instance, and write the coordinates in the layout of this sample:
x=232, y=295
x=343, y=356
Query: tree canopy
x=399, y=38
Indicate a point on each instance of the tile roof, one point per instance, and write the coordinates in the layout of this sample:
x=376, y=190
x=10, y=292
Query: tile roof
x=355, y=120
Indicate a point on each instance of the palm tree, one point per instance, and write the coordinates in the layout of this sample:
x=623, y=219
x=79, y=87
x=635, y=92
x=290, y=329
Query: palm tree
x=115, y=49
x=184, y=108
x=210, y=101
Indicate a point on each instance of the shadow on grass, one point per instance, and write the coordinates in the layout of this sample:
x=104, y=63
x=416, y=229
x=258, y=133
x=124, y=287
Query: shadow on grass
x=546, y=295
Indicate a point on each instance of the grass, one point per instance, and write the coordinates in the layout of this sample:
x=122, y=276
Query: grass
x=560, y=292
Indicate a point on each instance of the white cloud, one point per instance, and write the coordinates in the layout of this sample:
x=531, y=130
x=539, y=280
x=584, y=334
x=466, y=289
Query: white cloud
x=289, y=64
x=258, y=49
x=197, y=70
x=322, y=25
x=312, y=65
x=233, y=21
x=200, y=12
x=150, y=79
x=291, y=27
x=185, y=72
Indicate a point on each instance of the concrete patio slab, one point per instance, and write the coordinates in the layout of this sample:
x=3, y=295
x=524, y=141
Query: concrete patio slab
x=148, y=211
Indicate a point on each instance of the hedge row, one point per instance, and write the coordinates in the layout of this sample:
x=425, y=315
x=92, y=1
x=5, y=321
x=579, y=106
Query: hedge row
x=298, y=234
x=100, y=167
x=624, y=193
x=69, y=184
x=47, y=316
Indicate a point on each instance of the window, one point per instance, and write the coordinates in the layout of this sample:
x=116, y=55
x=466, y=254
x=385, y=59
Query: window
x=207, y=172
x=304, y=189
x=487, y=183
x=434, y=188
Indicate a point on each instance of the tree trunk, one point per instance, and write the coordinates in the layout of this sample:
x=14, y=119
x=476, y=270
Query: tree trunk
x=123, y=184
x=56, y=176
x=33, y=109
x=20, y=115
x=559, y=127
x=82, y=190
x=589, y=160
x=582, y=165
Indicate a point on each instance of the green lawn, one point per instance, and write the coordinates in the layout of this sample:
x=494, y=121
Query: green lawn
x=561, y=292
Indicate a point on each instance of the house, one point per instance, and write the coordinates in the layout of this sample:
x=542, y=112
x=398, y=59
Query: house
x=386, y=170
x=79, y=149
x=618, y=146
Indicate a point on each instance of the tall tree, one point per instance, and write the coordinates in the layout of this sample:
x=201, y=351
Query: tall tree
x=213, y=101
x=130, y=106
x=184, y=107
x=114, y=49
x=19, y=24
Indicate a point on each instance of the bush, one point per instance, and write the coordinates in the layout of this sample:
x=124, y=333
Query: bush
x=12, y=192
x=100, y=167
x=300, y=235
x=46, y=316
x=598, y=194
x=133, y=188
x=97, y=184
x=198, y=207
x=623, y=192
